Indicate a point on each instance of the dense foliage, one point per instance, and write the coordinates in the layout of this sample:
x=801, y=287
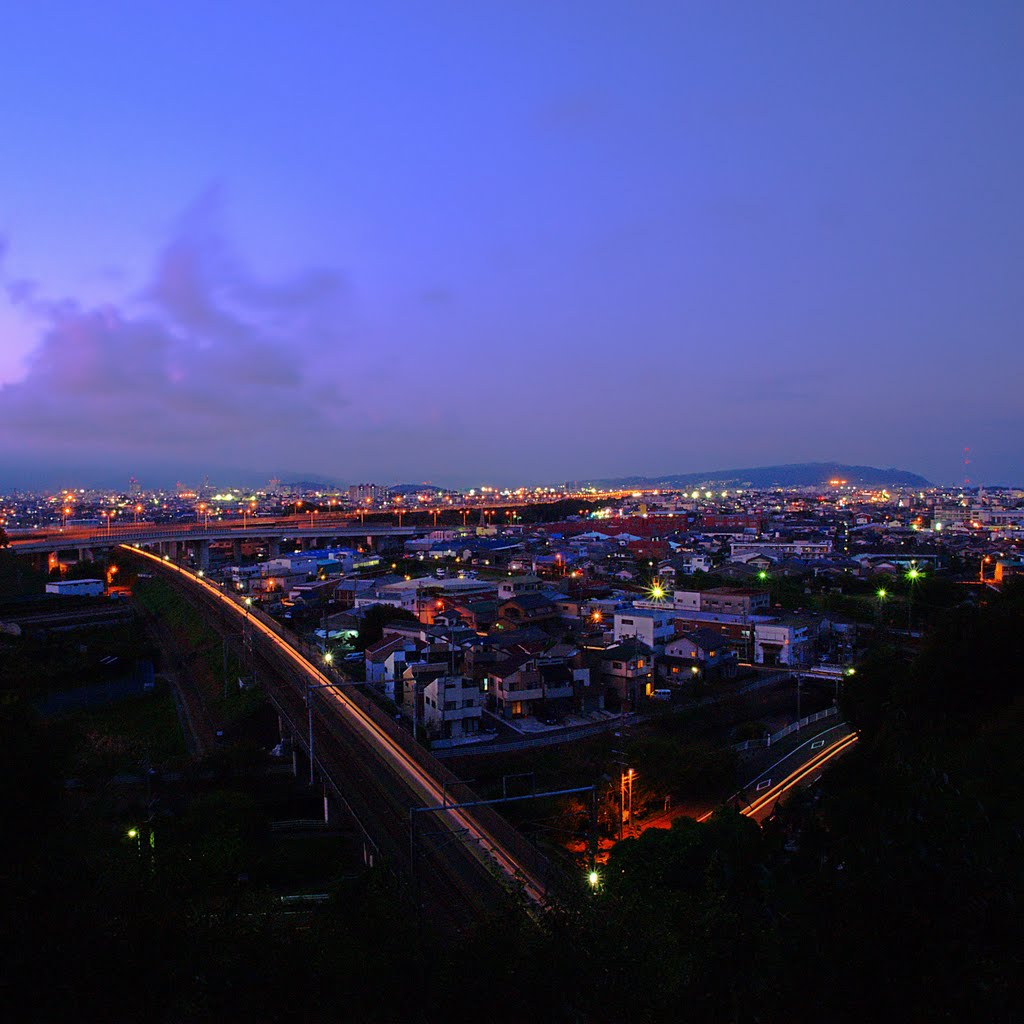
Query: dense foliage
x=892, y=894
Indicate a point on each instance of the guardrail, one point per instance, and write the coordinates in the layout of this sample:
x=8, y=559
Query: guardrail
x=769, y=738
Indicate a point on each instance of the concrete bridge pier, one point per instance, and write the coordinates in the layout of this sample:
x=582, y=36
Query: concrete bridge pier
x=236, y=551
x=273, y=547
x=201, y=550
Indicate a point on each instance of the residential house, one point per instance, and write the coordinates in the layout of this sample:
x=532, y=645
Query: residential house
x=652, y=626
x=387, y=659
x=625, y=669
x=701, y=653
x=452, y=707
x=531, y=609
x=516, y=686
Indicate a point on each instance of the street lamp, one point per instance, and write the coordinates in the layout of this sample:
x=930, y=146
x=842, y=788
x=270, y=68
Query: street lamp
x=847, y=673
x=913, y=575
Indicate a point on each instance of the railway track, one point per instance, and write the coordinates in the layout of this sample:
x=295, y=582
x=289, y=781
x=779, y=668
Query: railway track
x=459, y=865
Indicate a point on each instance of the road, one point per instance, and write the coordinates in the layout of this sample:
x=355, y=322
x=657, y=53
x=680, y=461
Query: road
x=764, y=802
x=380, y=766
x=766, y=789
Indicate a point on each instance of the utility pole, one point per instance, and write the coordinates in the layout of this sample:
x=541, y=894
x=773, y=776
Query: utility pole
x=415, y=719
x=309, y=708
x=622, y=802
x=632, y=830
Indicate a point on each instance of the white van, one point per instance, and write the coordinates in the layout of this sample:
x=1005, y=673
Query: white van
x=662, y=694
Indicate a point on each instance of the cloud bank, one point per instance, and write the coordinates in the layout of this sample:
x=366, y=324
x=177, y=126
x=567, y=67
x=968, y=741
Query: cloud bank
x=208, y=365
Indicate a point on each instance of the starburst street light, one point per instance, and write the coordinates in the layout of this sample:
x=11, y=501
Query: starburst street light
x=913, y=575
x=657, y=590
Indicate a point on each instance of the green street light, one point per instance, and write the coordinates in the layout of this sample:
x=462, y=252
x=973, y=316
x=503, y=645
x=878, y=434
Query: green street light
x=593, y=878
x=762, y=575
x=133, y=833
x=913, y=575
x=881, y=594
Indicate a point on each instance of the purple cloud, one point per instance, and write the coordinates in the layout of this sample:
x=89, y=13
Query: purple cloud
x=207, y=364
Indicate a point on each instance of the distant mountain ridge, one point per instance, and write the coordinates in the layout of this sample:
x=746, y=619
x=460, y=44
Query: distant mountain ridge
x=802, y=474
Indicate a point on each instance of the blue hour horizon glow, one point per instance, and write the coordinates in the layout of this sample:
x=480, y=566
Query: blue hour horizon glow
x=520, y=245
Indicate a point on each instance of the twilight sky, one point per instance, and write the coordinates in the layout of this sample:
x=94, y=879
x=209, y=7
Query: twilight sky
x=496, y=242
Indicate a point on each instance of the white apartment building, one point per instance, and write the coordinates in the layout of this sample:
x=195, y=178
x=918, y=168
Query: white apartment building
x=452, y=707
x=781, y=643
x=650, y=626
x=742, y=551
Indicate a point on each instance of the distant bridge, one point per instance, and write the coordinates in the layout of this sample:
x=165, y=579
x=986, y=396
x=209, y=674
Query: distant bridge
x=168, y=538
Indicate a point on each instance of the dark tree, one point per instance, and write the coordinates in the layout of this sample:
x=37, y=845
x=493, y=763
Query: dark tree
x=376, y=618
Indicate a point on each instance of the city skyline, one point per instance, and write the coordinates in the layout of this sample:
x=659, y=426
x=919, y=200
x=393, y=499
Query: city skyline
x=462, y=246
